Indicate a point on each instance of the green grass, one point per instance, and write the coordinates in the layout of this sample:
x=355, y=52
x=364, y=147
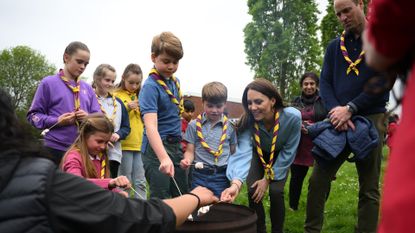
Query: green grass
x=341, y=206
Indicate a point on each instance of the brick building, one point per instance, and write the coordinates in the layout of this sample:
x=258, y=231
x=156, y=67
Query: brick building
x=233, y=108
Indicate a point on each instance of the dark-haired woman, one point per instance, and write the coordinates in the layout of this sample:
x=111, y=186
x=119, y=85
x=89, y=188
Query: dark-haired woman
x=312, y=110
x=269, y=134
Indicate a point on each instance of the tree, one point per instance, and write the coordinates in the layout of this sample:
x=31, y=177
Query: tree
x=330, y=26
x=21, y=69
x=281, y=41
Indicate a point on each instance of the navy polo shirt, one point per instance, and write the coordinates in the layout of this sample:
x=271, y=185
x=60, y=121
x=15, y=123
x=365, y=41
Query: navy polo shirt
x=338, y=88
x=154, y=99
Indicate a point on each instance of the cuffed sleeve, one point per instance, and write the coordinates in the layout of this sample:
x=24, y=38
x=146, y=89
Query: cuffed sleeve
x=240, y=162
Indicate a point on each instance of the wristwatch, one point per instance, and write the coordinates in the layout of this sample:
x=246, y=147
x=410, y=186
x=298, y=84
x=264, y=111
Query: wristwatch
x=350, y=109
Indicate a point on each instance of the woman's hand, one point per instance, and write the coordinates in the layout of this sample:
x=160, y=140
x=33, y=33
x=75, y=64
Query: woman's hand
x=228, y=195
x=261, y=187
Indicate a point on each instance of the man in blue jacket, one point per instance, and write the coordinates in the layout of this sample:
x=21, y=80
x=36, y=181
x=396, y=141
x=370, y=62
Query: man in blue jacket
x=342, y=81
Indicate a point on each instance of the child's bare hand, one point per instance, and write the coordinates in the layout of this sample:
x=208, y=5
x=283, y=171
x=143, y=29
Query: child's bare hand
x=81, y=115
x=114, y=137
x=67, y=118
x=120, y=181
x=185, y=163
x=167, y=167
x=133, y=104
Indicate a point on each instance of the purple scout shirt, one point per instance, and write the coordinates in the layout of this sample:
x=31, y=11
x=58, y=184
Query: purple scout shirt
x=52, y=99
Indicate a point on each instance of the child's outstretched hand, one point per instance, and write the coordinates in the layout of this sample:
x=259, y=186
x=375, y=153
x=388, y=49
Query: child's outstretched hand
x=120, y=181
x=185, y=163
x=167, y=167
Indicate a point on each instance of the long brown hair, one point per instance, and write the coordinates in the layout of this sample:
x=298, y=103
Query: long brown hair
x=92, y=124
x=266, y=88
x=131, y=69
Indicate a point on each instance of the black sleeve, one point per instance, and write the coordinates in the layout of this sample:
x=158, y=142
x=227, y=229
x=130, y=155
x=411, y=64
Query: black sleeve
x=77, y=205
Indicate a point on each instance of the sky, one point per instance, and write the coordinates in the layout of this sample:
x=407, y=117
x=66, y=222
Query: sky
x=119, y=32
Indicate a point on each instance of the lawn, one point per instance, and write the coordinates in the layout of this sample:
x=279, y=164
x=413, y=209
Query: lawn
x=341, y=207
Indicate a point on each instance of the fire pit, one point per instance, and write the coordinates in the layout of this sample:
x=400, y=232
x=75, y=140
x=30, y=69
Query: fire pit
x=222, y=217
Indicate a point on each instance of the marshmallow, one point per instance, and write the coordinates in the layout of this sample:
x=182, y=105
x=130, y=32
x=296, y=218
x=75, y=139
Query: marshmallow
x=199, y=165
x=44, y=132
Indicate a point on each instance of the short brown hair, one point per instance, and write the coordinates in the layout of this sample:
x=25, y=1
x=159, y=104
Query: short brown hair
x=214, y=92
x=167, y=42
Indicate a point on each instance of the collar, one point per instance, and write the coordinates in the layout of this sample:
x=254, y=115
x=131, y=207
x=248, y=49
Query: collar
x=204, y=119
x=94, y=157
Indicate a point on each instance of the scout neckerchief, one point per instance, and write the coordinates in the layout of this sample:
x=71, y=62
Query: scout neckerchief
x=352, y=65
x=177, y=101
x=114, y=112
x=204, y=144
x=103, y=164
x=75, y=90
x=269, y=172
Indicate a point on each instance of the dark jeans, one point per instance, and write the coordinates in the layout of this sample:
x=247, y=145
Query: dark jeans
x=57, y=155
x=276, y=199
x=161, y=185
x=298, y=173
x=114, y=168
x=368, y=171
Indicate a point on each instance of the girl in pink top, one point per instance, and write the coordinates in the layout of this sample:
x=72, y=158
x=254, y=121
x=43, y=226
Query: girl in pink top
x=87, y=157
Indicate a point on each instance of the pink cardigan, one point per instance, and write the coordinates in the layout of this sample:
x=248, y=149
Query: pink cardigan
x=73, y=165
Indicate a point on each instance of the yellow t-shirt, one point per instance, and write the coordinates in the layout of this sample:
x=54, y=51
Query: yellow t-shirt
x=135, y=138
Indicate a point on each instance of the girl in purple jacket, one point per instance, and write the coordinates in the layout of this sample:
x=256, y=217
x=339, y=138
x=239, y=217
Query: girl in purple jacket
x=62, y=101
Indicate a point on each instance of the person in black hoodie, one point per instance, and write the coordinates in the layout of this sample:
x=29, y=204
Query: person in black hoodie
x=36, y=196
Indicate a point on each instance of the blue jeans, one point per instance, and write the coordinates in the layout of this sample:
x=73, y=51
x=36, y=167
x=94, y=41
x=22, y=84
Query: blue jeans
x=216, y=181
x=132, y=167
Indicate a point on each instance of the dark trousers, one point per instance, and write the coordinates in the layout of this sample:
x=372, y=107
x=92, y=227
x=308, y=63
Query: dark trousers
x=161, y=185
x=368, y=172
x=114, y=168
x=276, y=199
x=298, y=173
x=57, y=155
